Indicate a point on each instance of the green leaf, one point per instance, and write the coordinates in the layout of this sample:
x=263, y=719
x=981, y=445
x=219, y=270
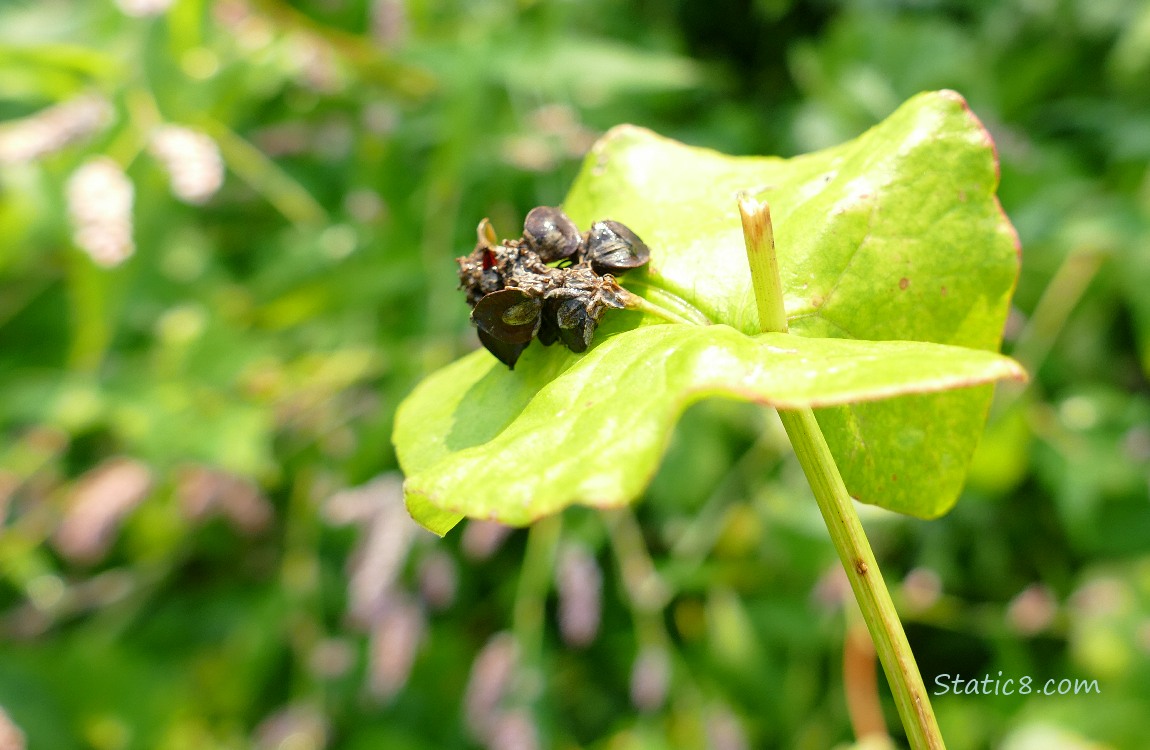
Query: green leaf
x=893, y=238
x=478, y=440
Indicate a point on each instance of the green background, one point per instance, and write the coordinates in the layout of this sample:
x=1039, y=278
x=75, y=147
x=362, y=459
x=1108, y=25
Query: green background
x=254, y=348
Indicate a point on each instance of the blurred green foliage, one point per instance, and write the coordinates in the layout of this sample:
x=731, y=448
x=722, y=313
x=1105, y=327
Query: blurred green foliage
x=182, y=565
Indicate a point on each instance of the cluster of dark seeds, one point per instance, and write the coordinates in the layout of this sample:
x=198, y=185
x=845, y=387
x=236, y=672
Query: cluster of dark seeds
x=553, y=282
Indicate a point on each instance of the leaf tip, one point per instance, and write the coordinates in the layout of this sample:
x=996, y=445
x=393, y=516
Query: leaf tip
x=428, y=515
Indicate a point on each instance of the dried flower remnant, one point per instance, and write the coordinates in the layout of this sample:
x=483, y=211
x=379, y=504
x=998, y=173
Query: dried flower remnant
x=100, y=198
x=49, y=130
x=192, y=160
x=580, y=585
x=100, y=500
x=552, y=282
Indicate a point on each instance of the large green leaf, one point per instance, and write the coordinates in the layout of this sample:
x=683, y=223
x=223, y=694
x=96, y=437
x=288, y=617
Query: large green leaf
x=895, y=237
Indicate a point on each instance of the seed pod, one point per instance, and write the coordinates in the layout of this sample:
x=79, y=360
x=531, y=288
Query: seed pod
x=612, y=248
x=551, y=233
x=508, y=315
x=506, y=353
x=576, y=327
x=549, y=324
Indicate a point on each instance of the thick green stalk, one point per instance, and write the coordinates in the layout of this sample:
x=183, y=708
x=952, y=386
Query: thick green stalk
x=835, y=503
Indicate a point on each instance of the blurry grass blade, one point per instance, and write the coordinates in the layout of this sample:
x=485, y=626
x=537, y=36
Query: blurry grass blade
x=370, y=61
x=594, y=69
x=266, y=177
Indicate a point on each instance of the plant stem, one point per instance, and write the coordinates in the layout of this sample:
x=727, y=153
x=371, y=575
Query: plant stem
x=759, y=237
x=635, y=302
x=531, y=598
x=836, y=505
x=669, y=302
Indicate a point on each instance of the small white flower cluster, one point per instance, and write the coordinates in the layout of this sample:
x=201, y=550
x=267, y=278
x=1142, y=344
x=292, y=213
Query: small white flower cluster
x=580, y=585
x=142, y=8
x=378, y=601
x=491, y=710
x=100, y=502
x=650, y=678
x=205, y=492
x=192, y=160
x=100, y=200
x=11, y=737
x=51, y=129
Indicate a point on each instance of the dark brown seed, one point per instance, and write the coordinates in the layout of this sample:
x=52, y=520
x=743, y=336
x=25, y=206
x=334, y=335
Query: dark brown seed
x=576, y=328
x=506, y=353
x=508, y=315
x=551, y=233
x=613, y=248
x=548, y=324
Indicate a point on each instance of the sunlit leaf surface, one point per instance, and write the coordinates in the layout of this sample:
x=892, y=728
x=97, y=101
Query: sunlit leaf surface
x=893, y=238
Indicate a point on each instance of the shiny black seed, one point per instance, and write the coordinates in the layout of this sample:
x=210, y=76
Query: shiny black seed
x=551, y=233
x=576, y=327
x=549, y=325
x=508, y=315
x=613, y=248
x=505, y=352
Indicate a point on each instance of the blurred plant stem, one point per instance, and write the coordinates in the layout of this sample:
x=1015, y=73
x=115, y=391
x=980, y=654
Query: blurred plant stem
x=635, y=302
x=668, y=302
x=266, y=177
x=835, y=503
x=372, y=62
x=647, y=595
x=531, y=600
x=1058, y=301
x=88, y=297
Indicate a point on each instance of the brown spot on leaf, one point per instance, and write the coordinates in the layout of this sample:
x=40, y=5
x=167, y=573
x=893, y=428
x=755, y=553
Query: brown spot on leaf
x=903, y=283
x=861, y=567
x=944, y=292
x=816, y=300
x=894, y=477
x=962, y=196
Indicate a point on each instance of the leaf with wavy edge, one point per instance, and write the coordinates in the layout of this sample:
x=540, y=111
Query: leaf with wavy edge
x=890, y=239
